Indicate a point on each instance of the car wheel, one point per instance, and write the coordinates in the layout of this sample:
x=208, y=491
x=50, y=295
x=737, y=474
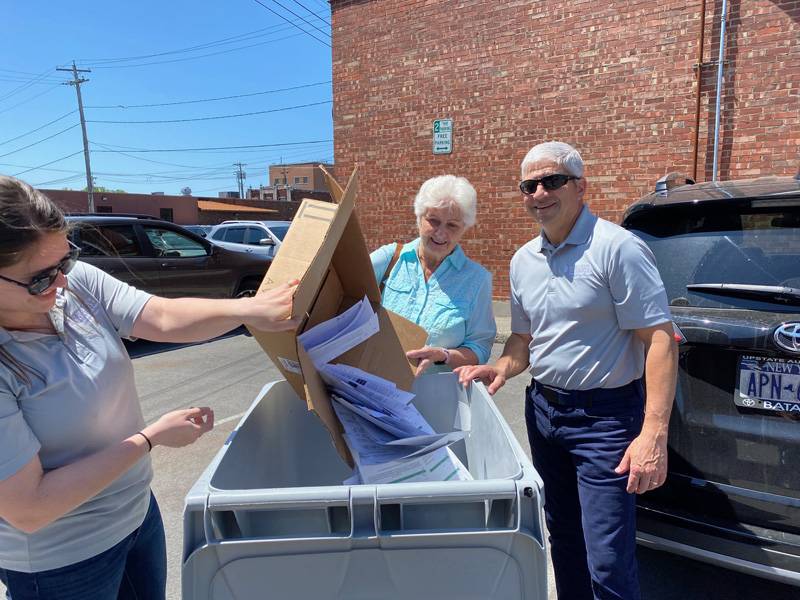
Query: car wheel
x=247, y=289
x=246, y=292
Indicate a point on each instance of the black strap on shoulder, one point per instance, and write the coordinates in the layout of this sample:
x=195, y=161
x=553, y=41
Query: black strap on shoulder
x=392, y=263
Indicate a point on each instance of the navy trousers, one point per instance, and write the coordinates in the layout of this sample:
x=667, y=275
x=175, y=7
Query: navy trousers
x=577, y=439
x=134, y=569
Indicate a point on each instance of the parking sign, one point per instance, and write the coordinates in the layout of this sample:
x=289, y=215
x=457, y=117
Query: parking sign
x=443, y=136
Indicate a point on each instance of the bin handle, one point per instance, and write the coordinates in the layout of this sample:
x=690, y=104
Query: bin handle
x=363, y=512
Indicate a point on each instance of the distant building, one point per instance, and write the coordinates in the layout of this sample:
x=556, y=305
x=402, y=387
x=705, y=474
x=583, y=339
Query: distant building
x=228, y=194
x=299, y=176
x=184, y=210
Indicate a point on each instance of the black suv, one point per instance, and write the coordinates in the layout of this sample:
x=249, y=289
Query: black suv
x=163, y=258
x=729, y=255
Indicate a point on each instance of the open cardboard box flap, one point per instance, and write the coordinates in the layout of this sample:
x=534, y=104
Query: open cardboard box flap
x=325, y=249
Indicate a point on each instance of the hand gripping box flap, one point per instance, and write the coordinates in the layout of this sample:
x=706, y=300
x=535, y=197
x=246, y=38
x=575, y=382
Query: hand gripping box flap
x=325, y=249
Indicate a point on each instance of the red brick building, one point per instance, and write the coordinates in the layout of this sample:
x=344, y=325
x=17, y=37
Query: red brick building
x=184, y=210
x=616, y=79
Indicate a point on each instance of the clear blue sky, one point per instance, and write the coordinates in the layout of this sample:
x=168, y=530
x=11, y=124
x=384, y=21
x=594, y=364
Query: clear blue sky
x=252, y=50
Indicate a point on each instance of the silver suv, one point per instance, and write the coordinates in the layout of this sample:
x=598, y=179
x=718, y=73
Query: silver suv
x=262, y=238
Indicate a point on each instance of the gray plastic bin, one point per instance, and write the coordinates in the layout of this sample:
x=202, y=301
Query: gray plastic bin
x=270, y=518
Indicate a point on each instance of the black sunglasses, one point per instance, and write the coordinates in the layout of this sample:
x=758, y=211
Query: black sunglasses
x=42, y=281
x=549, y=182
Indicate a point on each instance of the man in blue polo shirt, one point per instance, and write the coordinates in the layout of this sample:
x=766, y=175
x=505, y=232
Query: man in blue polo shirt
x=589, y=317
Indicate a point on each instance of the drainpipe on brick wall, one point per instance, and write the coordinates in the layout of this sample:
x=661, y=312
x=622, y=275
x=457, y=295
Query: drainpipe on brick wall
x=699, y=68
x=720, y=67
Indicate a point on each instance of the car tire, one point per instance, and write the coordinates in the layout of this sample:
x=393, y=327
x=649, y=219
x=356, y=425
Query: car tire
x=247, y=289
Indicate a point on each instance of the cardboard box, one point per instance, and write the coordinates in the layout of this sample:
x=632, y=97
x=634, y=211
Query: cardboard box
x=325, y=249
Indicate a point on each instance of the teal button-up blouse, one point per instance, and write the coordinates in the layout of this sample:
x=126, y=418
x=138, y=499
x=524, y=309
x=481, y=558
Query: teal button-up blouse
x=454, y=306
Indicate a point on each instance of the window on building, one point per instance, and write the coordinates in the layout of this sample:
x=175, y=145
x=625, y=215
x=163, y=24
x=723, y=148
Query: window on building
x=166, y=214
x=103, y=209
x=305, y=179
x=297, y=180
x=277, y=181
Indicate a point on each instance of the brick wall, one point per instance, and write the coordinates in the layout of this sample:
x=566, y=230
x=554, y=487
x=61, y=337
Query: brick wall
x=616, y=79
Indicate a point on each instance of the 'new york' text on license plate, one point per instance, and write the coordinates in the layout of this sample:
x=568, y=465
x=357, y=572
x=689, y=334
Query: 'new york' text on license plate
x=769, y=384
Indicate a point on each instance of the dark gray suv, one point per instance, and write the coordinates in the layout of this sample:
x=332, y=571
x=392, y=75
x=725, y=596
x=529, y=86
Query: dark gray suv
x=163, y=258
x=729, y=255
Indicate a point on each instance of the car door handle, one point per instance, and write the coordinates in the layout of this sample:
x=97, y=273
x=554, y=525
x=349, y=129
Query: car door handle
x=168, y=266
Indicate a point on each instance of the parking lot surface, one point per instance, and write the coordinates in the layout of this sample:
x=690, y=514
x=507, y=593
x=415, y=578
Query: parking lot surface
x=228, y=373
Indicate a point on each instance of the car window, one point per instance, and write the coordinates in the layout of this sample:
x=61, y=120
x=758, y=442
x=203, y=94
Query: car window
x=235, y=234
x=170, y=243
x=253, y=234
x=107, y=240
x=732, y=243
x=279, y=231
x=219, y=234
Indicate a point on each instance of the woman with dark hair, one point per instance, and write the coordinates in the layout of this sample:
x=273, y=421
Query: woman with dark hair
x=77, y=517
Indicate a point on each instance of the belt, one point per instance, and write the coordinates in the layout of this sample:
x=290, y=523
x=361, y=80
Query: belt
x=580, y=398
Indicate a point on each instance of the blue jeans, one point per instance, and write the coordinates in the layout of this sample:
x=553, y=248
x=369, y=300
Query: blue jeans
x=576, y=445
x=134, y=569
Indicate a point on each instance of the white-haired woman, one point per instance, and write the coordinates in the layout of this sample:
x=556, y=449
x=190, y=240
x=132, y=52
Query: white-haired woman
x=432, y=283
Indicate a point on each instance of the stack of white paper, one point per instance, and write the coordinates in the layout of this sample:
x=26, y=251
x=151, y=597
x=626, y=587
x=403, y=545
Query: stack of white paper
x=388, y=437
x=336, y=336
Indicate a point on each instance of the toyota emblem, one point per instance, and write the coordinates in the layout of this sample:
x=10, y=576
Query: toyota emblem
x=749, y=402
x=787, y=336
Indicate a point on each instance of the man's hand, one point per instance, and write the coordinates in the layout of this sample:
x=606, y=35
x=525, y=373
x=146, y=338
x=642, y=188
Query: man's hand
x=490, y=375
x=646, y=462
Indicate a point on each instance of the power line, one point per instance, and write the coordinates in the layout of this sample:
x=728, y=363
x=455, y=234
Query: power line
x=25, y=86
x=47, y=91
x=64, y=116
x=297, y=87
x=236, y=38
x=216, y=117
x=306, y=21
x=164, y=62
x=48, y=164
x=214, y=147
x=61, y=180
x=41, y=140
x=308, y=33
x=304, y=7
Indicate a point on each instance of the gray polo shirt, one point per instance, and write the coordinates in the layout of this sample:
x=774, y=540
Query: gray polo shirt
x=581, y=302
x=84, y=401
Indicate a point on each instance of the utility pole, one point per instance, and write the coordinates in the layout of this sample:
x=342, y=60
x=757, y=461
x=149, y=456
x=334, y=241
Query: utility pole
x=240, y=177
x=77, y=81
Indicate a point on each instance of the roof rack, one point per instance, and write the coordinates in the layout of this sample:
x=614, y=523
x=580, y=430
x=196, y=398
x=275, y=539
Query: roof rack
x=672, y=180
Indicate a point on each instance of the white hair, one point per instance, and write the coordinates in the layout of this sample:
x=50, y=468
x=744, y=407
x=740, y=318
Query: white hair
x=563, y=155
x=444, y=191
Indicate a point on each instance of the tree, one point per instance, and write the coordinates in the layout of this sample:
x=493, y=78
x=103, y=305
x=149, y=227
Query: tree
x=104, y=190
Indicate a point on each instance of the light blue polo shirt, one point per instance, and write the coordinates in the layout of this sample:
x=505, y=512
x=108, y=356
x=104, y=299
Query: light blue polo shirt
x=582, y=300
x=454, y=306
x=83, y=401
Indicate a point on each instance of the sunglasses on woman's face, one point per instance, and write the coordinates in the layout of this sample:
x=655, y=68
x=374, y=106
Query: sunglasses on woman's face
x=42, y=280
x=549, y=182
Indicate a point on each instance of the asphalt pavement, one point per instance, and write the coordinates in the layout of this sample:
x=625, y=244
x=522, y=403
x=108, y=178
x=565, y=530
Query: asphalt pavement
x=228, y=373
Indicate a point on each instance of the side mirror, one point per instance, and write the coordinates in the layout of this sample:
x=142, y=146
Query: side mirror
x=266, y=242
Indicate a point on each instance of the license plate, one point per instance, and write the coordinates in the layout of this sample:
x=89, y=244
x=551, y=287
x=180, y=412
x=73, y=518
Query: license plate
x=768, y=384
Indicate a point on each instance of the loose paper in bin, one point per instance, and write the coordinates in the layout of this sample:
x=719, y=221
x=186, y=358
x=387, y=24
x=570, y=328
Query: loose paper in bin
x=324, y=248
